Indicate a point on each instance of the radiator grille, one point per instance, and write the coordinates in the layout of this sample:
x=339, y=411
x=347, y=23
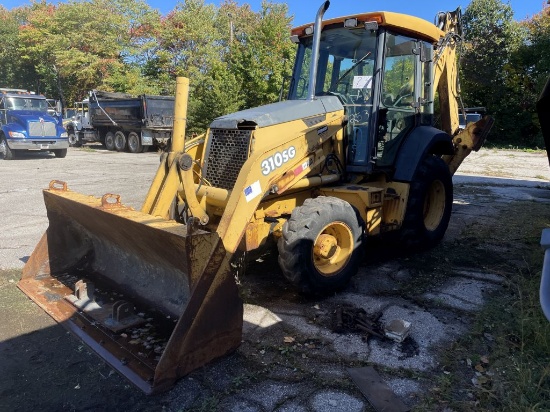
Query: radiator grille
x=39, y=129
x=227, y=152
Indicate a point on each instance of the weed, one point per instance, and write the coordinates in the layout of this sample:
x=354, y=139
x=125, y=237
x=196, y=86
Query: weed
x=503, y=363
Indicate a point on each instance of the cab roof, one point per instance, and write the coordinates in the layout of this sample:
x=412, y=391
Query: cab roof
x=401, y=23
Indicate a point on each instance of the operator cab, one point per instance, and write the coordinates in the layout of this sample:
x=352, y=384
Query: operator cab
x=382, y=78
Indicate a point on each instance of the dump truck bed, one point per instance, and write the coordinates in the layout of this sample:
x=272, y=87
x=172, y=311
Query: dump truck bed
x=131, y=112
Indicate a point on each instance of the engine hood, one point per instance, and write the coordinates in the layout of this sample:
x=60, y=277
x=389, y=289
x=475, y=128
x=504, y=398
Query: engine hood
x=276, y=113
x=25, y=116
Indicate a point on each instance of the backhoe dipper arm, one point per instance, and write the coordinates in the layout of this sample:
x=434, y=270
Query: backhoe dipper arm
x=446, y=69
x=446, y=82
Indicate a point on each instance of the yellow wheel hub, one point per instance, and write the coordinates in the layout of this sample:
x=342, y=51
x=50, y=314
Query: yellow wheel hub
x=333, y=248
x=434, y=205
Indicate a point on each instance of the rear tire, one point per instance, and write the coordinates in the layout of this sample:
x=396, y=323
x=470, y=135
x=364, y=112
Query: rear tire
x=60, y=153
x=321, y=246
x=120, y=141
x=5, y=151
x=429, y=206
x=134, y=143
x=110, y=141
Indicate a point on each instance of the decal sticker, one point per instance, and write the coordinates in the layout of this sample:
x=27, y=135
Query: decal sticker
x=252, y=191
x=361, y=82
x=302, y=167
x=277, y=160
x=322, y=130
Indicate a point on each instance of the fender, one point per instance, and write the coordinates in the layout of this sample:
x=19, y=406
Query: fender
x=421, y=141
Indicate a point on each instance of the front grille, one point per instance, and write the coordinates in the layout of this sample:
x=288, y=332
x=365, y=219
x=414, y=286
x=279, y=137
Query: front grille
x=227, y=152
x=39, y=129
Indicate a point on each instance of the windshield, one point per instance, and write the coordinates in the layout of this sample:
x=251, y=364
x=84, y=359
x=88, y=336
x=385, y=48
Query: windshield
x=25, y=103
x=346, y=61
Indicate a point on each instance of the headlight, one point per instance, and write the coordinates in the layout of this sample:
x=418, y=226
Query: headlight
x=17, y=135
x=64, y=134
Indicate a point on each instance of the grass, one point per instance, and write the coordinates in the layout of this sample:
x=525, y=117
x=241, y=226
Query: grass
x=503, y=363
x=88, y=149
x=526, y=149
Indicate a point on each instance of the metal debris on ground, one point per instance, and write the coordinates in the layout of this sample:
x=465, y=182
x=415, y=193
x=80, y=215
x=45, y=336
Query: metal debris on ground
x=397, y=330
x=349, y=319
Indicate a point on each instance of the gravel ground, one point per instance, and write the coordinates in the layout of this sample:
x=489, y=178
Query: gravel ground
x=46, y=369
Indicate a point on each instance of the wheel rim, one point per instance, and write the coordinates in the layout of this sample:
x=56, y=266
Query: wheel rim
x=72, y=138
x=133, y=142
x=333, y=248
x=119, y=141
x=110, y=141
x=3, y=147
x=434, y=205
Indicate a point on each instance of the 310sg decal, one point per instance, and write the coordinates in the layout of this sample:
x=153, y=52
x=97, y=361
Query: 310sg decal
x=277, y=160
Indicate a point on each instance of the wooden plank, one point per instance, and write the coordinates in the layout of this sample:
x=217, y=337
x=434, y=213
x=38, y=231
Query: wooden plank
x=378, y=393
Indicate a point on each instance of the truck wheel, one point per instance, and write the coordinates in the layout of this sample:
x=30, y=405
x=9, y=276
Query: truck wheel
x=5, y=151
x=73, y=139
x=321, y=245
x=430, y=204
x=110, y=141
x=134, y=143
x=61, y=153
x=120, y=141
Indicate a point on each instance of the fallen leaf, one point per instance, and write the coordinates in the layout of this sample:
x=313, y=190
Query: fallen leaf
x=482, y=379
x=289, y=339
x=469, y=362
x=479, y=368
x=484, y=359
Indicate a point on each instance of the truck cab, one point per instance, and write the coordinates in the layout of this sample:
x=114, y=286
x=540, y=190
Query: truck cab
x=469, y=115
x=26, y=125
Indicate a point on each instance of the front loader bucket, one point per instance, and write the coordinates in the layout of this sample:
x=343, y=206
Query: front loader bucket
x=154, y=298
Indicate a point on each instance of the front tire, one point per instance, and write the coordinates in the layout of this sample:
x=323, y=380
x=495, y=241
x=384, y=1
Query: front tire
x=429, y=206
x=5, y=151
x=74, y=140
x=60, y=153
x=321, y=246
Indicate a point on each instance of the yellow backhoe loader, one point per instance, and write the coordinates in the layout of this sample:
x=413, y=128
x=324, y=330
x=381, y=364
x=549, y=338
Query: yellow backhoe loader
x=351, y=154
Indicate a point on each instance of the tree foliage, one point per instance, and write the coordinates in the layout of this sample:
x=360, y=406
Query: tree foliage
x=237, y=58
x=503, y=66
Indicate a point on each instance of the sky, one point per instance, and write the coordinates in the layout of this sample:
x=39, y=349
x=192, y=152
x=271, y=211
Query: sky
x=304, y=10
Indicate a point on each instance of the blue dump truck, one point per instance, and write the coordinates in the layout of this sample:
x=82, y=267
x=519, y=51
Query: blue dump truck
x=26, y=125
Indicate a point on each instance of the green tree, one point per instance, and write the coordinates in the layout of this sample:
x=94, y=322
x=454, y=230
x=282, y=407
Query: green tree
x=261, y=53
x=492, y=38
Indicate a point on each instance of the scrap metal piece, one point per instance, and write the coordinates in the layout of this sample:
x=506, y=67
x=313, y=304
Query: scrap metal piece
x=397, y=330
x=377, y=392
